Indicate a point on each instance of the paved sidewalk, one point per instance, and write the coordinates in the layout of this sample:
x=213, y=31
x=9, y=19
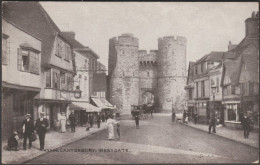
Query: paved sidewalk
x=53, y=140
x=236, y=135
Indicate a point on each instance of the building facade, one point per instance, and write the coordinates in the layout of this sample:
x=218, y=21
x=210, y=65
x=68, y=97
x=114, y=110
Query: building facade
x=136, y=77
x=21, y=80
x=57, y=69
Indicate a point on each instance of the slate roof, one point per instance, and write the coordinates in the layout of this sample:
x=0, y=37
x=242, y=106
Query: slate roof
x=32, y=17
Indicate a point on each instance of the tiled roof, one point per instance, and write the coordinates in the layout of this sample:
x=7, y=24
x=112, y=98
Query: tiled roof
x=215, y=56
x=232, y=70
x=77, y=45
x=31, y=17
x=190, y=76
x=234, y=53
x=251, y=59
x=74, y=43
x=201, y=59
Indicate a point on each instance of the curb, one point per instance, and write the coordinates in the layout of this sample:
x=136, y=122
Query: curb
x=222, y=136
x=58, y=146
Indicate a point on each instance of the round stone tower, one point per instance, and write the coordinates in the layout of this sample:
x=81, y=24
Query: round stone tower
x=123, y=68
x=171, y=73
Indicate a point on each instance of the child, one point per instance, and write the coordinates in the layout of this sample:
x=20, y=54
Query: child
x=12, y=143
x=118, y=130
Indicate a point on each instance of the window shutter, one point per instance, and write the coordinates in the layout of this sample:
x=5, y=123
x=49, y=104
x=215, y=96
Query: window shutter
x=31, y=62
x=8, y=52
x=37, y=65
x=19, y=59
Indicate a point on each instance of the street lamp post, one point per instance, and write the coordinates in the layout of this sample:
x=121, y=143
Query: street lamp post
x=77, y=93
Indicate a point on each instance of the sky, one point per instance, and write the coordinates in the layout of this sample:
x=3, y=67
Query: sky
x=208, y=26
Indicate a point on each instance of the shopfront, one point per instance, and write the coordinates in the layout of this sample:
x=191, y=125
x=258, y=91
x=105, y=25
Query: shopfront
x=81, y=111
x=200, y=107
x=232, y=113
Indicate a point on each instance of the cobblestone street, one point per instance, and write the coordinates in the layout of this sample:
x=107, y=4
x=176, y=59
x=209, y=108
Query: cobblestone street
x=157, y=141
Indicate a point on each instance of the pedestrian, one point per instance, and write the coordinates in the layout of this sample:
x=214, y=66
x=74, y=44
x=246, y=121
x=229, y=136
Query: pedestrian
x=103, y=117
x=98, y=120
x=110, y=126
x=173, y=116
x=41, y=129
x=212, y=123
x=91, y=120
x=118, y=130
x=28, y=130
x=184, y=117
x=195, y=118
x=187, y=119
x=137, y=121
x=63, y=122
x=12, y=144
x=246, y=125
x=151, y=110
x=106, y=116
x=72, y=119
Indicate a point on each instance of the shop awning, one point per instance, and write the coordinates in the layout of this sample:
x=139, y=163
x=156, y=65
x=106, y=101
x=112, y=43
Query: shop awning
x=83, y=106
x=102, y=103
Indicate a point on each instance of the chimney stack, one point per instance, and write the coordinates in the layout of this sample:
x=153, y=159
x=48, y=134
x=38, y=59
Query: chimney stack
x=252, y=24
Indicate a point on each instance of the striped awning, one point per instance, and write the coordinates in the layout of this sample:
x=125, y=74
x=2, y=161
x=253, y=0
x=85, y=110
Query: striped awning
x=102, y=103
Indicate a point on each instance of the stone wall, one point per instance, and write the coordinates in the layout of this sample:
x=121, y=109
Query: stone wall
x=133, y=72
x=124, y=72
x=171, y=72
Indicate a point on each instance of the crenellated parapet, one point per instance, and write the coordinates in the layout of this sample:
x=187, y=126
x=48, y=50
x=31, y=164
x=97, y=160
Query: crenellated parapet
x=147, y=60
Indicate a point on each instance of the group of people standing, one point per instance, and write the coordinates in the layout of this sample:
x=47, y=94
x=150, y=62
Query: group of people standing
x=28, y=129
x=110, y=125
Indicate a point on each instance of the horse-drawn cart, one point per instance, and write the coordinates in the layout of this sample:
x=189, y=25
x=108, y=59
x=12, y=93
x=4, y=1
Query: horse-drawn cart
x=141, y=110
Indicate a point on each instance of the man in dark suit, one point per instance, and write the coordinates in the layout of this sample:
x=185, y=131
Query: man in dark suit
x=28, y=129
x=212, y=124
x=98, y=120
x=91, y=120
x=137, y=121
x=246, y=125
x=72, y=119
x=41, y=128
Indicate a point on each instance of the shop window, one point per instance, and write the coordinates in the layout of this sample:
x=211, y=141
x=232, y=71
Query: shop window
x=197, y=90
x=217, y=85
x=5, y=49
x=202, y=88
x=231, y=115
x=190, y=94
x=56, y=80
x=28, y=61
x=69, y=82
x=251, y=88
x=233, y=90
x=63, y=81
x=48, y=78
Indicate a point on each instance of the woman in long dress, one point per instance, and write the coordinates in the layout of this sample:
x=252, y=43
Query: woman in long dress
x=110, y=125
x=63, y=122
